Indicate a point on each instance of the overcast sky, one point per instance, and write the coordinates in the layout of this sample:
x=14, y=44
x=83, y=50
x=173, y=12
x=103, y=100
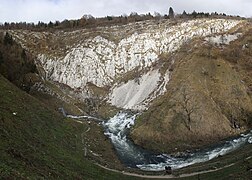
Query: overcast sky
x=51, y=10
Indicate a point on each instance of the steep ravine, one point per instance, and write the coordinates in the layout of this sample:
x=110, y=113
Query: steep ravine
x=173, y=72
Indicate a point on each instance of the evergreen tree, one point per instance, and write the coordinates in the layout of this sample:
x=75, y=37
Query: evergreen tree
x=184, y=14
x=171, y=13
x=194, y=14
x=8, y=39
x=110, y=18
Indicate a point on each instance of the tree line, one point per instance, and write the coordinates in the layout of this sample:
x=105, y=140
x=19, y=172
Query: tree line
x=15, y=62
x=88, y=21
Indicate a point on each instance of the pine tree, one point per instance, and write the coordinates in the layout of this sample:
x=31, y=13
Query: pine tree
x=171, y=13
x=194, y=14
x=184, y=14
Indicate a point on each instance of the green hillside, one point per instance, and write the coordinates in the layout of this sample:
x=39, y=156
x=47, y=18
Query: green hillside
x=37, y=143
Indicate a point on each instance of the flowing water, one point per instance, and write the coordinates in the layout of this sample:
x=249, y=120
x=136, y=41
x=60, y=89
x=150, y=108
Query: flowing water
x=131, y=155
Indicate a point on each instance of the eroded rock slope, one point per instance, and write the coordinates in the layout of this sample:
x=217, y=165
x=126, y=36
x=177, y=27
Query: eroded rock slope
x=103, y=56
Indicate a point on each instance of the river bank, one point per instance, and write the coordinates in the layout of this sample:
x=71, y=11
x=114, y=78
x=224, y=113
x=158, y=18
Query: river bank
x=133, y=156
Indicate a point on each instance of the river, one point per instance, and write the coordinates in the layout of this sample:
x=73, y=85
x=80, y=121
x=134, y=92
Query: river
x=117, y=129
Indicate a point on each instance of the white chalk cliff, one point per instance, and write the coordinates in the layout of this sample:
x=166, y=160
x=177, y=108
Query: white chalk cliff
x=102, y=57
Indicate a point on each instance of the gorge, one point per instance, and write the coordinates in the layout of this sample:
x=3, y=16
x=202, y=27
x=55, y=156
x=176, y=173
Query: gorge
x=188, y=81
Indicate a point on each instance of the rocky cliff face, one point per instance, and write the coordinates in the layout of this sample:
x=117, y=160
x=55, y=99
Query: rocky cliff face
x=191, y=78
x=103, y=56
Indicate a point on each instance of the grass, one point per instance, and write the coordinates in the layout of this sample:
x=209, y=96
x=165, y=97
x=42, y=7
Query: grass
x=238, y=158
x=37, y=143
x=57, y=98
x=236, y=171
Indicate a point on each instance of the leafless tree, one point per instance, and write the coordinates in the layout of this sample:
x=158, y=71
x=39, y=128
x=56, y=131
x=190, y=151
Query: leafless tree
x=187, y=106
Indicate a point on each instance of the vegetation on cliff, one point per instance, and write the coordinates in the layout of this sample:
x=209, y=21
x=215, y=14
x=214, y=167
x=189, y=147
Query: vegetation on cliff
x=208, y=97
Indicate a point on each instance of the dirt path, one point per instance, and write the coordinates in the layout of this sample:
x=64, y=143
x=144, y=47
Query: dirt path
x=168, y=176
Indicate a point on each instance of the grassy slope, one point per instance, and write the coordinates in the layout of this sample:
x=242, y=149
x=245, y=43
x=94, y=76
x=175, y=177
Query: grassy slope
x=38, y=143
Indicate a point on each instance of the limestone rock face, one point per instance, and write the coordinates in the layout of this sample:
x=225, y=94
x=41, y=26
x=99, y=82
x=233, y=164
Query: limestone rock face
x=104, y=55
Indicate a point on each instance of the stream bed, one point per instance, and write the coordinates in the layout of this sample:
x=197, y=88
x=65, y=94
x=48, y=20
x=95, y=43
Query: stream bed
x=134, y=156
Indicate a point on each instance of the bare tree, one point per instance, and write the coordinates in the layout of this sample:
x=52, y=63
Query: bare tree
x=187, y=106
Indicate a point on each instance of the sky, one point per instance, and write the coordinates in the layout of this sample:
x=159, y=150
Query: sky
x=52, y=10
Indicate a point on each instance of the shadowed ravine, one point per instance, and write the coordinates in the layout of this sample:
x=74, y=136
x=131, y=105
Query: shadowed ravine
x=134, y=156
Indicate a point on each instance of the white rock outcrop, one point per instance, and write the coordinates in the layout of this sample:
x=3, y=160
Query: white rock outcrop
x=223, y=39
x=132, y=94
x=99, y=59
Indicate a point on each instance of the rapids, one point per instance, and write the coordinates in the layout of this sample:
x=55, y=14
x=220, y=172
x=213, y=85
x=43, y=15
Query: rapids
x=117, y=129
